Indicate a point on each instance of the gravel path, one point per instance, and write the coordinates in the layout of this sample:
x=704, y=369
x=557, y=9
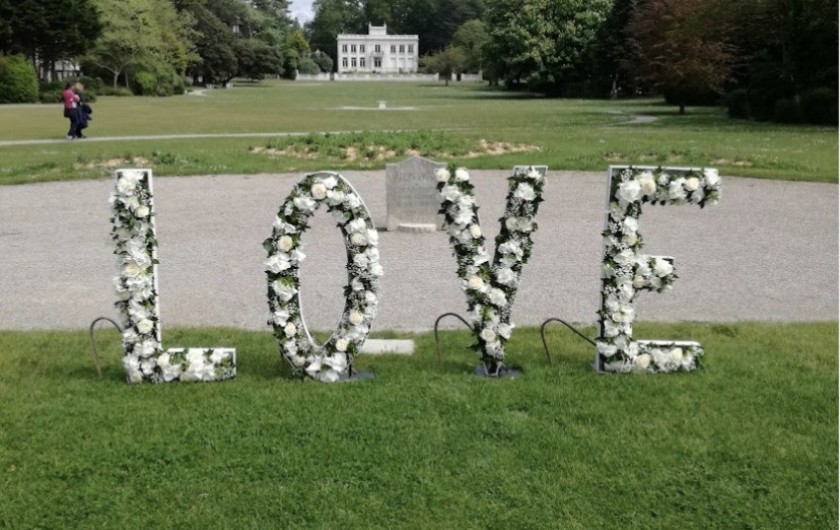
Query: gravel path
x=768, y=251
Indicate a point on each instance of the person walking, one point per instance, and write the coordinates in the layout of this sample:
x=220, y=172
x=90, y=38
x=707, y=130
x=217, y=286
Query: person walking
x=83, y=111
x=71, y=110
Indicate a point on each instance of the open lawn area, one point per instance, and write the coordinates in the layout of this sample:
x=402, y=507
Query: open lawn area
x=750, y=441
x=470, y=124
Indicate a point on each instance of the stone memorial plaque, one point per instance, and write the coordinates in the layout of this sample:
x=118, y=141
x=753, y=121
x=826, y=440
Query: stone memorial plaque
x=412, y=199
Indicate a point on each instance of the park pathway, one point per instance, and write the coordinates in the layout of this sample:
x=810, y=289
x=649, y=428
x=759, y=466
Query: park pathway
x=768, y=252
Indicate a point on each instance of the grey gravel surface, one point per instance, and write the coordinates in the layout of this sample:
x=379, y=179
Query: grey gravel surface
x=768, y=252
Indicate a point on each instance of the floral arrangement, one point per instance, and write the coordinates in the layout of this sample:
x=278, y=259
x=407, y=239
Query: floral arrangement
x=626, y=270
x=133, y=233
x=331, y=361
x=490, y=286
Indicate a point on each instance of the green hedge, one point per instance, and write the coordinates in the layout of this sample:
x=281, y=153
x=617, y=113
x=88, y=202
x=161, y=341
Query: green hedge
x=18, y=80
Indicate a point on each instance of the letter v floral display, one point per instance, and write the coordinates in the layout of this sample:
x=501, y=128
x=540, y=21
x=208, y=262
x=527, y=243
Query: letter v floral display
x=491, y=286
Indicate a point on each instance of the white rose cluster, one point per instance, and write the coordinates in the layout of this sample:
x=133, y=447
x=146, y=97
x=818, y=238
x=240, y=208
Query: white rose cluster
x=361, y=239
x=133, y=234
x=490, y=287
x=626, y=270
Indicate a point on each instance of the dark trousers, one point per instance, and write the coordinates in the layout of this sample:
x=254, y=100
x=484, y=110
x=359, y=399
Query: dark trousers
x=73, y=116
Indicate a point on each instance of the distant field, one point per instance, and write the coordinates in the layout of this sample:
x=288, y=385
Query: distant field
x=476, y=126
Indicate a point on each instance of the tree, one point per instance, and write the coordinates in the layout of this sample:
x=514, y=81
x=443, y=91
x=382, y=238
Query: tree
x=544, y=43
x=471, y=37
x=48, y=30
x=325, y=64
x=215, y=46
x=610, y=49
x=675, y=49
x=445, y=63
x=332, y=17
x=255, y=59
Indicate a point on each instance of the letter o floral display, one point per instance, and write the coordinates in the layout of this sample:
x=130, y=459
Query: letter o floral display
x=327, y=363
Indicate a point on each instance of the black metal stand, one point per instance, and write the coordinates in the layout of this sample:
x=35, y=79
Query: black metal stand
x=545, y=344
x=437, y=342
x=94, y=350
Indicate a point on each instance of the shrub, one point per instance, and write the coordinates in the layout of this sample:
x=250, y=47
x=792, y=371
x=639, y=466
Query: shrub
x=762, y=104
x=819, y=106
x=786, y=110
x=51, y=96
x=18, y=80
x=308, y=66
x=738, y=104
x=92, y=84
x=112, y=91
x=143, y=84
x=178, y=87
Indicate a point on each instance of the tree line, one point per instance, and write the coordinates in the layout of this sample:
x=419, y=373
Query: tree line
x=773, y=59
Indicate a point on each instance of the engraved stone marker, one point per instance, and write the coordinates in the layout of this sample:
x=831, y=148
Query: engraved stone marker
x=411, y=195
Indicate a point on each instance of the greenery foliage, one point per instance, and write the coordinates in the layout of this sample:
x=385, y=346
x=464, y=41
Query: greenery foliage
x=820, y=106
x=18, y=82
x=748, y=442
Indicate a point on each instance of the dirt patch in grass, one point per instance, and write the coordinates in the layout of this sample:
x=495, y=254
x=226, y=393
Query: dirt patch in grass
x=114, y=163
x=380, y=152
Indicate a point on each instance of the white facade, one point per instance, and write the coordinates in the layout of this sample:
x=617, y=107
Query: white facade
x=377, y=52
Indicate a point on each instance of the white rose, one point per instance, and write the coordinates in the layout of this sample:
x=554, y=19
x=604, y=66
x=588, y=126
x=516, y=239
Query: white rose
x=525, y=192
x=353, y=201
x=505, y=276
x=711, y=176
x=280, y=317
x=297, y=255
x=475, y=231
x=450, y=193
x=475, y=283
x=358, y=239
x=606, y=349
x=511, y=224
x=360, y=260
x=335, y=197
x=676, y=354
x=277, y=263
x=639, y=281
x=630, y=239
x=142, y=211
x=647, y=183
x=286, y=243
x=127, y=183
x=370, y=297
x=625, y=257
x=319, y=191
x=488, y=335
x=442, y=174
x=642, y=362
x=533, y=174
x=505, y=330
x=676, y=191
x=330, y=182
x=376, y=269
x=290, y=329
x=373, y=236
x=461, y=175
x=497, y=297
x=145, y=326
x=304, y=204
x=341, y=345
x=662, y=267
x=355, y=318
x=284, y=292
x=692, y=183
x=629, y=191
x=132, y=270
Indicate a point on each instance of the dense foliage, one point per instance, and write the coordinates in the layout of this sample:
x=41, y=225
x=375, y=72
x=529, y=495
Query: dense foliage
x=18, y=82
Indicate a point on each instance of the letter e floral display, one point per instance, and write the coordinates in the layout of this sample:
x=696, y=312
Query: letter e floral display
x=491, y=286
x=334, y=359
x=626, y=270
x=133, y=232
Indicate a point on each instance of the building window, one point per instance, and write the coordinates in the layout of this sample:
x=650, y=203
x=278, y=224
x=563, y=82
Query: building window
x=377, y=62
x=344, y=62
x=393, y=48
x=362, y=62
x=377, y=48
x=361, y=48
x=402, y=48
x=410, y=48
x=344, y=48
x=353, y=48
x=353, y=62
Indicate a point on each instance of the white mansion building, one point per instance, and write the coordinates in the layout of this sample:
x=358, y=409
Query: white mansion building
x=377, y=52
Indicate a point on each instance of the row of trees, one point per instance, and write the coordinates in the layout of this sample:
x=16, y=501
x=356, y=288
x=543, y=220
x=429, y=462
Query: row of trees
x=692, y=51
x=211, y=41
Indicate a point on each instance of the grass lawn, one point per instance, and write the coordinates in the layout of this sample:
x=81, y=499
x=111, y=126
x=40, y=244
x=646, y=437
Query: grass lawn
x=748, y=442
x=446, y=123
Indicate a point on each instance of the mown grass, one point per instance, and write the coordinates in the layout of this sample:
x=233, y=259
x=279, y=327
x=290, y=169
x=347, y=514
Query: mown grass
x=568, y=134
x=748, y=442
